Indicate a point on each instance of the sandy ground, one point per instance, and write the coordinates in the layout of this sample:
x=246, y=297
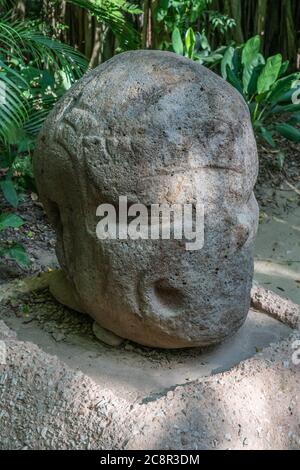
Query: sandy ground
x=277, y=254
x=47, y=405
x=39, y=319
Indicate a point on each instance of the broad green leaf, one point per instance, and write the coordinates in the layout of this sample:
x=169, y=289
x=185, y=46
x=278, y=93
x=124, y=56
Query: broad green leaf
x=269, y=73
x=227, y=60
x=267, y=136
x=233, y=80
x=290, y=108
x=190, y=42
x=281, y=87
x=250, y=50
x=251, y=57
x=210, y=59
x=25, y=144
x=288, y=131
x=203, y=42
x=287, y=97
x=177, y=43
x=10, y=220
x=252, y=86
x=18, y=253
x=237, y=62
x=9, y=192
x=283, y=68
x=294, y=120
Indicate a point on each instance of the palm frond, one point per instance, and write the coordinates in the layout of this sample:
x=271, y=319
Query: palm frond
x=26, y=55
x=13, y=110
x=24, y=40
x=112, y=13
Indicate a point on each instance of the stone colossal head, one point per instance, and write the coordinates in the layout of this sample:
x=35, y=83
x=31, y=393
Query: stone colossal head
x=157, y=128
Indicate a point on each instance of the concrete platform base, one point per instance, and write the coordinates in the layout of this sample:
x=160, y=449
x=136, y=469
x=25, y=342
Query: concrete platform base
x=60, y=387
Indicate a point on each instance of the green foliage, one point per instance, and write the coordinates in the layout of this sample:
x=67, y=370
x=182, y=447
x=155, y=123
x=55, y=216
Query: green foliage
x=17, y=253
x=10, y=220
x=9, y=191
x=195, y=46
x=35, y=70
x=114, y=13
x=173, y=14
x=267, y=90
x=14, y=251
x=186, y=23
x=23, y=171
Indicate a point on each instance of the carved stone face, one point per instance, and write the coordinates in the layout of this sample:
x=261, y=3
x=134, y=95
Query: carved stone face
x=157, y=128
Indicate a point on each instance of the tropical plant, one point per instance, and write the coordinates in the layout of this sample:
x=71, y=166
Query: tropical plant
x=35, y=70
x=195, y=46
x=267, y=89
x=190, y=13
x=114, y=13
x=190, y=20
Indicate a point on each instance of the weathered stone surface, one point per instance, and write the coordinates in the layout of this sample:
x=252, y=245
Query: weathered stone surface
x=61, y=288
x=5, y=332
x=154, y=127
x=106, y=336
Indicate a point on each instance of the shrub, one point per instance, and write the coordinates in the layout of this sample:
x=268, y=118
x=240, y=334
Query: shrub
x=35, y=70
x=269, y=91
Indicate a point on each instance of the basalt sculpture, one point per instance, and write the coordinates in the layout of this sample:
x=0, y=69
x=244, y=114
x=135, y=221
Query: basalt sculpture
x=158, y=129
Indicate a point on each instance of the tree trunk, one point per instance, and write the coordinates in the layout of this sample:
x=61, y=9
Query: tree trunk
x=260, y=18
x=146, y=22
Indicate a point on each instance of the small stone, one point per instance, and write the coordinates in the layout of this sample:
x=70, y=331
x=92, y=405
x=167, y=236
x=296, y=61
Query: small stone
x=228, y=437
x=28, y=319
x=106, y=336
x=58, y=336
x=5, y=332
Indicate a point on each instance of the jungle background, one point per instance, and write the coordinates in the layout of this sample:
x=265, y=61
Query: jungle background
x=98, y=28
